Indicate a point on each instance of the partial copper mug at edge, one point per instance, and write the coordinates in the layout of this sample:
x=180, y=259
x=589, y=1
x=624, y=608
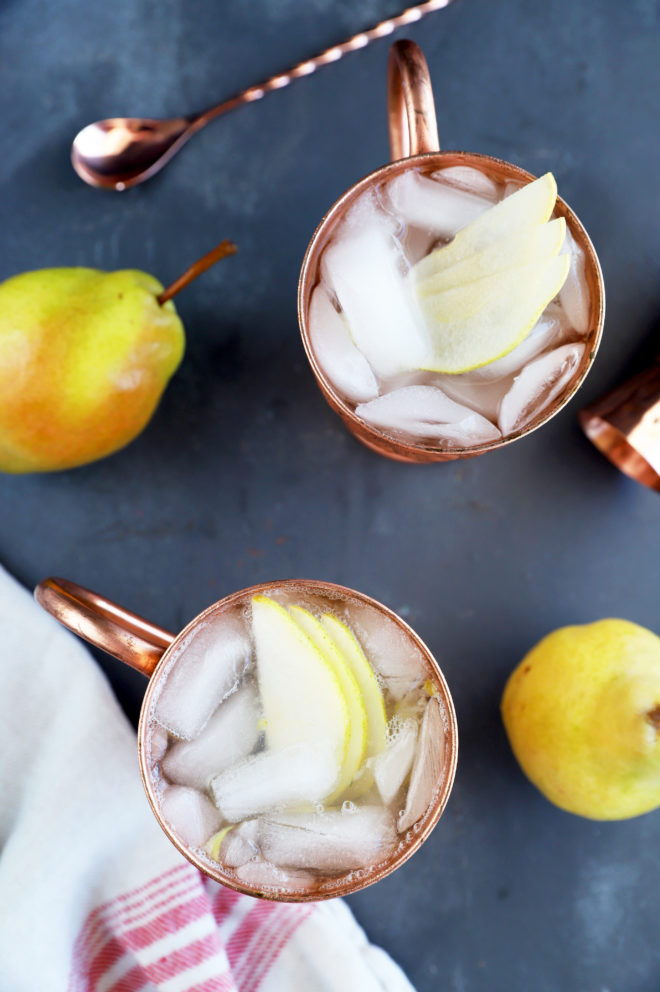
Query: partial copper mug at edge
x=155, y=652
x=414, y=145
x=625, y=426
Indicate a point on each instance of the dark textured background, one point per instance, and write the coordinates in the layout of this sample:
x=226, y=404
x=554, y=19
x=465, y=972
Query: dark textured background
x=244, y=473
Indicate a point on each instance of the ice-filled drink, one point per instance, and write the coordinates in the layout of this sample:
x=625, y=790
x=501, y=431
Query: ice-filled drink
x=298, y=741
x=449, y=302
x=451, y=308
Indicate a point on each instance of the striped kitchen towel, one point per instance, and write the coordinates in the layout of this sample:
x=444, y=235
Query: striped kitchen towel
x=93, y=897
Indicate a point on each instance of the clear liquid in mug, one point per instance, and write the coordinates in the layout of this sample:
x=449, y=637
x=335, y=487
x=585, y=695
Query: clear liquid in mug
x=366, y=329
x=241, y=758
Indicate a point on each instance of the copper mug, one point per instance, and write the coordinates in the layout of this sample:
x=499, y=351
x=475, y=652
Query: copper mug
x=414, y=143
x=149, y=648
x=625, y=425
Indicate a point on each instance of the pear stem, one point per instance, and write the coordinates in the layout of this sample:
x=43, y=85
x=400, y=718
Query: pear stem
x=654, y=717
x=201, y=265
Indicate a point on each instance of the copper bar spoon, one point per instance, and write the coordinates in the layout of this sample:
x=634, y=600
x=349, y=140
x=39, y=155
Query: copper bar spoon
x=119, y=152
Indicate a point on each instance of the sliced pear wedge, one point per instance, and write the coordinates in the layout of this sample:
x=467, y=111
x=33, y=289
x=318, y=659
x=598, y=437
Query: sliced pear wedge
x=538, y=244
x=372, y=694
x=301, y=696
x=357, y=739
x=479, y=322
x=526, y=208
x=213, y=844
x=235, y=844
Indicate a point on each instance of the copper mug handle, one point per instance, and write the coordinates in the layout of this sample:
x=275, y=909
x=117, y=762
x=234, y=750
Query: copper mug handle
x=98, y=620
x=410, y=108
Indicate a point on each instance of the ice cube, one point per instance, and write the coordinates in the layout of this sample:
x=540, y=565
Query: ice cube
x=425, y=412
x=467, y=178
x=273, y=780
x=555, y=311
x=417, y=243
x=428, y=767
x=393, y=656
x=158, y=740
x=228, y=737
x=392, y=765
x=411, y=707
x=263, y=875
x=364, y=266
x=574, y=294
x=331, y=841
x=538, y=385
x=435, y=206
x=480, y=395
x=546, y=331
x=192, y=816
x=418, y=377
x=368, y=210
x=511, y=187
x=208, y=665
x=344, y=365
x=235, y=846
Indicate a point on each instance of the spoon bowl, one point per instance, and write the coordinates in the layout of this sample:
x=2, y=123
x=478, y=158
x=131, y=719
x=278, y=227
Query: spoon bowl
x=119, y=152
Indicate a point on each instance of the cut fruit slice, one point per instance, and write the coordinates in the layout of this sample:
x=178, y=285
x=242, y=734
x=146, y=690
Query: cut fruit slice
x=480, y=322
x=212, y=846
x=357, y=740
x=526, y=208
x=372, y=694
x=546, y=331
x=235, y=844
x=301, y=696
x=538, y=244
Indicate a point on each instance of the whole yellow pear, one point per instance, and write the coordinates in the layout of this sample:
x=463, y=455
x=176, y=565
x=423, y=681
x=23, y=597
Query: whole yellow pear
x=84, y=358
x=582, y=713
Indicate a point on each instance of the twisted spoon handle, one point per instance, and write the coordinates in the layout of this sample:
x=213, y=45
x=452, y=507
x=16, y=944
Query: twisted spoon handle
x=333, y=54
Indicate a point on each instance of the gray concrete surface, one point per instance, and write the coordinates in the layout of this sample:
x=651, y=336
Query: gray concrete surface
x=245, y=474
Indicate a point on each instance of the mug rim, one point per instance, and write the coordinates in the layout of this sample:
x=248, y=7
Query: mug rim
x=391, y=444
x=330, y=889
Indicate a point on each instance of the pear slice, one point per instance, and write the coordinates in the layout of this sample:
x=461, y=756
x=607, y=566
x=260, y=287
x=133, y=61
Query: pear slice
x=213, y=844
x=372, y=694
x=527, y=207
x=357, y=739
x=301, y=695
x=538, y=244
x=235, y=844
x=474, y=324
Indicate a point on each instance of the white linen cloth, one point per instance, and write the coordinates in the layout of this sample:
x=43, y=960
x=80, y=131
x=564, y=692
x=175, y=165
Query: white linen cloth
x=93, y=897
